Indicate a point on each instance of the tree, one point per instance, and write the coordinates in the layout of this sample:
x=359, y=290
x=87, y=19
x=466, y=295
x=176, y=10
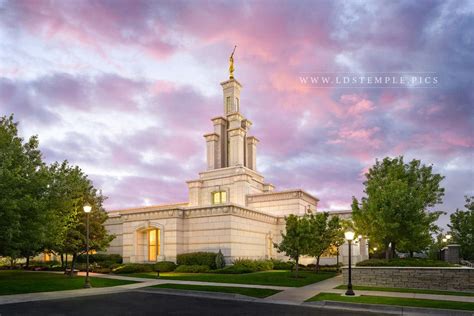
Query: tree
x=23, y=180
x=295, y=241
x=69, y=190
x=462, y=229
x=325, y=232
x=395, y=210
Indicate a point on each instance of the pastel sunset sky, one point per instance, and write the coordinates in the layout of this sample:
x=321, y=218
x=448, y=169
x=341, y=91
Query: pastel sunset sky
x=126, y=89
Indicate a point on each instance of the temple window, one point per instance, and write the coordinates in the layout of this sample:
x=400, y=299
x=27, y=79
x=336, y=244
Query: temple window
x=219, y=197
x=153, y=244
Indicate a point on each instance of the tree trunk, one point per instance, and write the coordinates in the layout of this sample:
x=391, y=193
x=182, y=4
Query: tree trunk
x=317, y=263
x=62, y=260
x=12, y=263
x=297, y=265
x=337, y=259
x=393, y=250
x=387, y=253
x=27, y=262
x=411, y=253
x=73, y=264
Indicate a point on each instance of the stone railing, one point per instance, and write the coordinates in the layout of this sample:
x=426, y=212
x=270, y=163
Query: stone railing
x=436, y=278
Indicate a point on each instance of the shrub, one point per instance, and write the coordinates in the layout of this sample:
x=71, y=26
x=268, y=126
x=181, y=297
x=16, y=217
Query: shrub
x=103, y=260
x=197, y=258
x=254, y=265
x=233, y=270
x=133, y=268
x=282, y=265
x=406, y=262
x=192, y=268
x=165, y=266
x=220, y=261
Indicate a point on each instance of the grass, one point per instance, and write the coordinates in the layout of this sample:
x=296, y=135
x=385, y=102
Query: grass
x=17, y=282
x=403, y=290
x=221, y=289
x=274, y=277
x=397, y=301
x=404, y=262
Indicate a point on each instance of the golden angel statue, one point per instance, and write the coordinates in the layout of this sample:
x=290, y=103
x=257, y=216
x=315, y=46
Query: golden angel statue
x=231, y=64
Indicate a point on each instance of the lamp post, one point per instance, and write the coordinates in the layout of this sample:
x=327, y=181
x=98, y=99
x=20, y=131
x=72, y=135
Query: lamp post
x=87, y=209
x=349, y=237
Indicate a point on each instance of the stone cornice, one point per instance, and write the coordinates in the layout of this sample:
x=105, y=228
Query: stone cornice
x=252, y=140
x=238, y=131
x=219, y=120
x=230, y=82
x=193, y=212
x=282, y=195
x=236, y=116
x=211, y=137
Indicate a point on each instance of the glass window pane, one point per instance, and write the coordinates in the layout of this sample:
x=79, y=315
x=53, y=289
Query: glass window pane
x=215, y=198
x=223, y=197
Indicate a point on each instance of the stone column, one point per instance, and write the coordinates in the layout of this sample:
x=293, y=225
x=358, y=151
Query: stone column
x=212, y=140
x=220, y=128
x=194, y=188
x=236, y=137
x=251, y=162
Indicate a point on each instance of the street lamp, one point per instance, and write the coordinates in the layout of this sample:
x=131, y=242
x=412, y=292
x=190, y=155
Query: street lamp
x=87, y=209
x=349, y=237
x=448, y=236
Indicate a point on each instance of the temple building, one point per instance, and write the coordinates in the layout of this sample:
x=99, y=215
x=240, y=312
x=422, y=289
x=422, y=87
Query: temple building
x=231, y=207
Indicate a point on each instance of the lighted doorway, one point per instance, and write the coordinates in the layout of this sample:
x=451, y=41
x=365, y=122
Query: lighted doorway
x=153, y=244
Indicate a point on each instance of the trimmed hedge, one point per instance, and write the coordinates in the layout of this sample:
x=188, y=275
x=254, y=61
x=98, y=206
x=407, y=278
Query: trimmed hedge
x=405, y=262
x=133, y=268
x=192, y=268
x=197, y=258
x=254, y=265
x=282, y=265
x=165, y=266
x=233, y=270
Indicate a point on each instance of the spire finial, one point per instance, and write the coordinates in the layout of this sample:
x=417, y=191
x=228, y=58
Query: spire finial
x=231, y=64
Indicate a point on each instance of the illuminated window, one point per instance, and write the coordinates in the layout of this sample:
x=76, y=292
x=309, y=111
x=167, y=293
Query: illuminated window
x=153, y=244
x=47, y=256
x=219, y=197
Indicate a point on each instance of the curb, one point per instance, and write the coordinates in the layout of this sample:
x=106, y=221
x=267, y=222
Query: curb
x=203, y=294
x=390, y=309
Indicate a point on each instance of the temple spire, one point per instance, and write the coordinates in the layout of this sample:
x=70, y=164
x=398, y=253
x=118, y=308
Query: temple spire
x=231, y=64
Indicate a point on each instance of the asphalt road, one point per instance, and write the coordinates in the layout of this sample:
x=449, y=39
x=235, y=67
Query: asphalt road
x=140, y=303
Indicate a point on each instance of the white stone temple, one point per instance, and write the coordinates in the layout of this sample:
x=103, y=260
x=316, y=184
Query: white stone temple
x=230, y=207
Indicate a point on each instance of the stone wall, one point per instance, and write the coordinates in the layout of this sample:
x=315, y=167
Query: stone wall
x=442, y=278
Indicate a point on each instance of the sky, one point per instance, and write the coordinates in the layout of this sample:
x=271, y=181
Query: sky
x=126, y=89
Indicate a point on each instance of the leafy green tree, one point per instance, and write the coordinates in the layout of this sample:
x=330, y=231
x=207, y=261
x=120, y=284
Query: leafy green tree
x=23, y=204
x=462, y=229
x=295, y=241
x=326, y=232
x=395, y=210
x=69, y=190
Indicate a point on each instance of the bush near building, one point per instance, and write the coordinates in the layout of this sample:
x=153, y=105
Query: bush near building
x=405, y=262
x=165, y=266
x=192, y=268
x=197, y=258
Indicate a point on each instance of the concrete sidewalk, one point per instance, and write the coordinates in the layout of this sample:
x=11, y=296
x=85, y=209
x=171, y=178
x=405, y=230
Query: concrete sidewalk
x=301, y=294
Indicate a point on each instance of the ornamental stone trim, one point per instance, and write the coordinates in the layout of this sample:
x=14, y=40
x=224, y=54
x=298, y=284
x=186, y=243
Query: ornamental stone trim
x=281, y=195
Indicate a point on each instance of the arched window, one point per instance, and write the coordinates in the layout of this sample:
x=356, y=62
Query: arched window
x=153, y=236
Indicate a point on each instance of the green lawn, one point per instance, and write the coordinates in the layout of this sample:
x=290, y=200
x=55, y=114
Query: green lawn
x=413, y=302
x=16, y=282
x=402, y=290
x=222, y=289
x=274, y=277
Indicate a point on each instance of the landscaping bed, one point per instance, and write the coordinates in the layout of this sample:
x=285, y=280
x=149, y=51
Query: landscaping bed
x=403, y=290
x=404, y=262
